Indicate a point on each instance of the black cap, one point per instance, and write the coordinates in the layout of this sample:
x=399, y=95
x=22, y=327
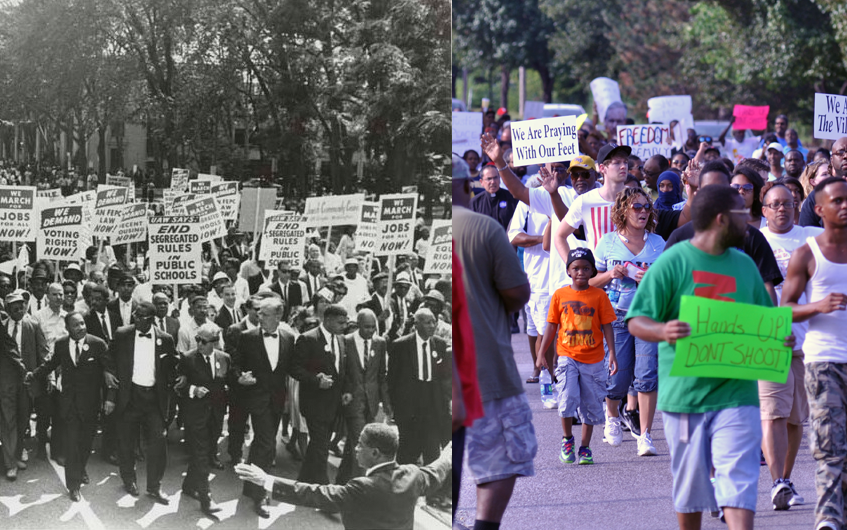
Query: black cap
x=607, y=150
x=582, y=253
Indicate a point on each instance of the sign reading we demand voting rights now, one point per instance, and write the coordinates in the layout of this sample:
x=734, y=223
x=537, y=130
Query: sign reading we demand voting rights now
x=545, y=140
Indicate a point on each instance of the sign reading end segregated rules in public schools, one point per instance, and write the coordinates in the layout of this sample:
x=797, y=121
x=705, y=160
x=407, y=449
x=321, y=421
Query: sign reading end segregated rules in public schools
x=731, y=340
x=545, y=140
x=175, y=250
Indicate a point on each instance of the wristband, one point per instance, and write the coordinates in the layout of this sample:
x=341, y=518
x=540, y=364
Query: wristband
x=501, y=168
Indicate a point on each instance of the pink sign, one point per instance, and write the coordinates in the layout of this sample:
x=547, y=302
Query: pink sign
x=747, y=117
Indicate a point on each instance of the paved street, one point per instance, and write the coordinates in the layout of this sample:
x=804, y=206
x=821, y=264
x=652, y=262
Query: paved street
x=38, y=500
x=621, y=490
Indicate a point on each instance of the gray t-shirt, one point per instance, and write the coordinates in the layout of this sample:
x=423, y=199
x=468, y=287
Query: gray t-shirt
x=490, y=265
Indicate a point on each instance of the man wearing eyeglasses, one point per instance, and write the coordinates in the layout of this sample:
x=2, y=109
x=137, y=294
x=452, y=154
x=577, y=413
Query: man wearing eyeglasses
x=655, y=166
x=838, y=166
x=494, y=202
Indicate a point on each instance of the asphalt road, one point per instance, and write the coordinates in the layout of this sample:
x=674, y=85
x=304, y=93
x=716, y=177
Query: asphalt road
x=621, y=490
x=38, y=500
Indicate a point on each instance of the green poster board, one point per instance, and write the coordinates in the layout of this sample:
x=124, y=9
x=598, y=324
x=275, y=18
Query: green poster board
x=733, y=341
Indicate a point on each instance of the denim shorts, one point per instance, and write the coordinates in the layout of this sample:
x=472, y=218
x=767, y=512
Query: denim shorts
x=581, y=386
x=536, y=314
x=502, y=443
x=638, y=363
x=728, y=439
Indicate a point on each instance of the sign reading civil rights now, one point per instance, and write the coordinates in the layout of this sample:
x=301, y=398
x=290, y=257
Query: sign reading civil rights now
x=830, y=116
x=439, y=256
x=18, y=219
x=646, y=140
x=175, y=250
x=731, y=340
x=545, y=140
x=333, y=210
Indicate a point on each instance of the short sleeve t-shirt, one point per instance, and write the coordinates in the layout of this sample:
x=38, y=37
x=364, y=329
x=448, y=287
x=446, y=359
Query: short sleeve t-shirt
x=686, y=270
x=580, y=316
x=541, y=203
x=612, y=251
x=593, y=211
x=738, y=151
x=536, y=260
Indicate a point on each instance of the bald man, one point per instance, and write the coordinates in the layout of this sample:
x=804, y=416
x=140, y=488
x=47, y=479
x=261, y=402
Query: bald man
x=365, y=380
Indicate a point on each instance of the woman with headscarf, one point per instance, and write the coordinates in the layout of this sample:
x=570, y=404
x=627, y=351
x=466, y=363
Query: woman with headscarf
x=670, y=191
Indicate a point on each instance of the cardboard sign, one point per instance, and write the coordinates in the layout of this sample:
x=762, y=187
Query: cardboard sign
x=51, y=195
x=178, y=205
x=533, y=110
x=254, y=202
x=200, y=187
x=283, y=239
x=169, y=195
x=179, y=179
x=830, y=116
x=605, y=91
x=87, y=199
x=731, y=340
x=367, y=233
x=665, y=109
x=59, y=233
x=207, y=176
x=396, y=224
x=108, y=209
x=545, y=140
x=212, y=224
x=175, y=250
x=228, y=198
x=646, y=140
x=467, y=128
x=333, y=210
x=133, y=226
x=123, y=182
x=18, y=218
x=747, y=117
x=439, y=256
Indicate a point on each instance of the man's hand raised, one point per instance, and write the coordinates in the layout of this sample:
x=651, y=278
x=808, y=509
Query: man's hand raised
x=491, y=147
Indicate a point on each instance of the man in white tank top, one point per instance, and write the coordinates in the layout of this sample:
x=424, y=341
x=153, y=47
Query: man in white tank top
x=819, y=269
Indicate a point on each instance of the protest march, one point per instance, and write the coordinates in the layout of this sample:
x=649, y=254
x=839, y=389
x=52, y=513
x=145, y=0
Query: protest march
x=653, y=301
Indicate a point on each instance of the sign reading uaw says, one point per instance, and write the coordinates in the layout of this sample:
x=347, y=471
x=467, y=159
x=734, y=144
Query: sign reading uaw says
x=60, y=233
x=545, y=140
x=396, y=224
x=175, y=250
x=333, y=210
x=18, y=220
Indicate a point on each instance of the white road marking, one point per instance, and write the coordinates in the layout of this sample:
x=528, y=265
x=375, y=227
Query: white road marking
x=83, y=508
x=159, y=510
x=276, y=512
x=127, y=501
x=16, y=506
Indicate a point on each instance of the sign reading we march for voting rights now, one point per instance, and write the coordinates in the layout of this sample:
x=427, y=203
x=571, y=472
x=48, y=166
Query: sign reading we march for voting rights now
x=545, y=140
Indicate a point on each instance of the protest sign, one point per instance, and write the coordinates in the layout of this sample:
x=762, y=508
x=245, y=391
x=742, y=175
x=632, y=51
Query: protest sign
x=51, y=195
x=87, y=199
x=18, y=216
x=646, y=140
x=533, y=110
x=747, y=117
x=396, y=224
x=367, y=234
x=254, y=202
x=108, y=210
x=179, y=179
x=124, y=182
x=169, y=195
x=199, y=187
x=133, y=225
x=283, y=239
x=178, y=205
x=228, y=198
x=333, y=210
x=605, y=91
x=467, y=127
x=830, y=116
x=732, y=340
x=545, y=140
x=207, y=176
x=665, y=109
x=212, y=224
x=439, y=256
x=59, y=233
x=175, y=250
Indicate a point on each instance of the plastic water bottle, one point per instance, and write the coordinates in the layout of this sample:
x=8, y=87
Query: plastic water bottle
x=548, y=399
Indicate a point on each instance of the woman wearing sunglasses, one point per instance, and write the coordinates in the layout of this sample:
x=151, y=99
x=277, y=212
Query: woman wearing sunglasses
x=622, y=257
x=748, y=184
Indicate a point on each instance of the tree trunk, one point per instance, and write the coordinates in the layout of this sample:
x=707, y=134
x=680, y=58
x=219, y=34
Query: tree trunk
x=546, y=83
x=101, y=152
x=505, y=72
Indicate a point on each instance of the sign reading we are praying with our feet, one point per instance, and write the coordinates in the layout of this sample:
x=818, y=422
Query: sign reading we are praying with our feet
x=731, y=340
x=545, y=140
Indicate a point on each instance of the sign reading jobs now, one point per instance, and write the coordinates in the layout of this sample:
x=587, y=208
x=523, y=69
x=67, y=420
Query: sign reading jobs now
x=18, y=219
x=545, y=140
x=175, y=249
x=396, y=224
x=731, y=340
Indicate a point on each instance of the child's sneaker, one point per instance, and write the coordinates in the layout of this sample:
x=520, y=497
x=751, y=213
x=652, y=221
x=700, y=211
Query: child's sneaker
x=612, y=431
x=585, y=456
x=566, y=455
x=645, y=445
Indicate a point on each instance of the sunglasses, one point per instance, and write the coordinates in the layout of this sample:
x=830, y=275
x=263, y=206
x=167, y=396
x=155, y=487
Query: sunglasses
x=637, y=206
x=208, y=341
x=746, y=188
x=707, y=139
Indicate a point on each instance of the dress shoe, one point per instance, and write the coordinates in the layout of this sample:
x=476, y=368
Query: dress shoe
x=74, y=495
x=20, y=464
x=12, y=474
x=292, y=448
x=60, y=460
x=208, y=506
x=85, y=479
x=215, y=463
x=191, y=493
x=159, y=497
x=262, y=509
x=131, y=488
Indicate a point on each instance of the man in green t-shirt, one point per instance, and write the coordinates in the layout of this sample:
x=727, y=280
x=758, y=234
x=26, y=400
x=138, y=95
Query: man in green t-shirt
x=705, y=416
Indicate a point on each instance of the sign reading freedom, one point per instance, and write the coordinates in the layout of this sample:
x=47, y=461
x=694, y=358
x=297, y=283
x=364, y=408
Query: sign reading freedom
x=730, y=340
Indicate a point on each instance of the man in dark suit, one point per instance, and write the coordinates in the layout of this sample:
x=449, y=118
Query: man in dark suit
x=418, y=379
x=204, y=404
x=143, y=359
x=287, y=289
x=319, y=365
x=238, y=413
x=124, y=305
x=365, y=380
x=82, y=358
x=12, y=370
x=313, y=278
x=379, y=304
x=228, y=314
x=401, y=324
x=384, y=498
x=262, y=362
x=164, y=321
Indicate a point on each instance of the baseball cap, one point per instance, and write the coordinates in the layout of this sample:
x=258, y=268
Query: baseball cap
x=219, y=276
x=582, y=253
x=403, y=277
x=351, y=261
x=611, y=147
x=582, y=161
x=13, y=297
x=775, y=145
x=501, y=111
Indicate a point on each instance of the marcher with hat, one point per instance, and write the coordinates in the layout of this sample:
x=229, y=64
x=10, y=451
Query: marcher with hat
x=400, y=307
x=357, y=286
x=774, y=156
x=215, y=295
x=37, y=290
x=379, y=304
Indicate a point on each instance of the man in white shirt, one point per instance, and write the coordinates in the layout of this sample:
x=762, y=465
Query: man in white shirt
x=188, y=329
x=357, y=286
x=215, y=295
x=123, y=305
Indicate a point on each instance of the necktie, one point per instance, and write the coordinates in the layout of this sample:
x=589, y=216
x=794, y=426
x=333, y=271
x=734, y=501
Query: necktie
x=234, y=315
x=208, y=364
x=162, y=323
x=15, y=331
x=367, y=352
x=266, y=334
x=38, y=301
x=76, y=358
x=145, y=335
x=334, y=354
x=424, y=363
x=105, y=326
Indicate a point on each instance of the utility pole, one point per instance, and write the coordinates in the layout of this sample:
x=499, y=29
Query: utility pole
x=521, y=89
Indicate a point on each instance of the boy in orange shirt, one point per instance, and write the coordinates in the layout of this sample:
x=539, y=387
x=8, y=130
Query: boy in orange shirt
x=581, y=316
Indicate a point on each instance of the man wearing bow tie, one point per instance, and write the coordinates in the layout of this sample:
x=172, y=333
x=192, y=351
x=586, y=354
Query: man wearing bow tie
x=82, y=358
x=319, y=365
x=365, y=379
x=261, y=364
x=143, y=359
